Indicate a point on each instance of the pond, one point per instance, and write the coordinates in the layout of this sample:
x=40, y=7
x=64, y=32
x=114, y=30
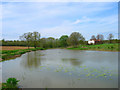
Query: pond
x=62, y=68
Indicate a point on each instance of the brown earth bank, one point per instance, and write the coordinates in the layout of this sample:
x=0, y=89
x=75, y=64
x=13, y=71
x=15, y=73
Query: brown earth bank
x=13, y=47
x=10, y=52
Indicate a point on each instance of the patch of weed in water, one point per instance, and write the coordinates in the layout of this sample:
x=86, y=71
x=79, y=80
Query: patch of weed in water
x=48, y=68
x=66, y=70
x=85, y=69
x=93, y=75
x=96, y=76
x=60, y=69
x=56, y=70
x=110, y=79
x=41, y=66
x=110, y=75
x=73, y=69
x=105, y=70
x=105, y=76
x=81, y=66
x=88, y=75
x=95, y=70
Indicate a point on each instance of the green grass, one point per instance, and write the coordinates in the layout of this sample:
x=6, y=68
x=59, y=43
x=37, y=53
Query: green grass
x=8, y=54
x=101, y=47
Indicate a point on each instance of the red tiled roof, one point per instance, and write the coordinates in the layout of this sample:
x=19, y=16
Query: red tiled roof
x=95, y=39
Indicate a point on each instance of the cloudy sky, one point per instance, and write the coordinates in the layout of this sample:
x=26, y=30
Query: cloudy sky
x=53, y=19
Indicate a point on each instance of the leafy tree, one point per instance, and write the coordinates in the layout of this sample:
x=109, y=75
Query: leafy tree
x=63, y=40
x=74, y=38
x=50, y=42
x=35, y=38
x=43, y=42
x=3, y=40
x=110, y=37
x=27, y=37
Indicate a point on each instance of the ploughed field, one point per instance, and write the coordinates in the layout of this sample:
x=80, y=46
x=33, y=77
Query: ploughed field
x=13, y=47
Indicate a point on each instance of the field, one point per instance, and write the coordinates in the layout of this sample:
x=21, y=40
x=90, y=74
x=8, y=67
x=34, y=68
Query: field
x=99, y=47
x=13, y=47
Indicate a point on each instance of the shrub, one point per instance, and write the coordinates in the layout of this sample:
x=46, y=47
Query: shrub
x=10, y=83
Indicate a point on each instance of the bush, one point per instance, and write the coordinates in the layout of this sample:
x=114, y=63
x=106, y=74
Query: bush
x=10, y=83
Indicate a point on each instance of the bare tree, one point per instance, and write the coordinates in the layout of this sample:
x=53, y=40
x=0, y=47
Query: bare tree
x=110, y=36
x=93, y=37
x=100, y=37
x=27, y=37
x=35, y=38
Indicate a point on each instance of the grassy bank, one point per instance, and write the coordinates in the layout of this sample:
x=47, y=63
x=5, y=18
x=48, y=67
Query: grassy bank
x=9, y=54
x=100, y=47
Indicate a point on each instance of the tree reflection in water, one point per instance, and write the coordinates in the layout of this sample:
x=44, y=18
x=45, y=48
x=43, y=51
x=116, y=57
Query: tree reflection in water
x=73, y=61
x=31, y=59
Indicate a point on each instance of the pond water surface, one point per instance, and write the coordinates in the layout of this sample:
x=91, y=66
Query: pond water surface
x=62, y=68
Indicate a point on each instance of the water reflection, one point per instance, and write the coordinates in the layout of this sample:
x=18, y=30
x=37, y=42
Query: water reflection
x=31, y=59
x=73, y=61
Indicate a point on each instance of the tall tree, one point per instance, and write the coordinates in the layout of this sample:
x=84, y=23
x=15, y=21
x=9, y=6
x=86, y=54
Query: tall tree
x=100, y=37
x=110, y=37
x=35, y=38
x=74, y=38
x=50, y=42
x=43, y=42
x=27, y=37
x=63, y=40
x=93, y=37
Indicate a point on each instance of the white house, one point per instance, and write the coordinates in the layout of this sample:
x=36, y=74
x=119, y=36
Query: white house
x=91, y=42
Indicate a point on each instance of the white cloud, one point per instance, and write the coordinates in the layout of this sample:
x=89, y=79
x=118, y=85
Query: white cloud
x=77, y=21
x=82, y=20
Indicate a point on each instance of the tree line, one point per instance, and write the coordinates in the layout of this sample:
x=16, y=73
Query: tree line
x=101, y=37
x=33, y=39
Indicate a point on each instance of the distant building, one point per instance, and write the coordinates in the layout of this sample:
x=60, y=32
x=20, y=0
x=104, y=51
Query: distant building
x=91, y=42
x=94, y=41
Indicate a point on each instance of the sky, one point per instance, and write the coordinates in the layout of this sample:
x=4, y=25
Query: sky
x=54, y=19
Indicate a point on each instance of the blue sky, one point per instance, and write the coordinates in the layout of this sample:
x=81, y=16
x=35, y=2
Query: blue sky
x=53, y=19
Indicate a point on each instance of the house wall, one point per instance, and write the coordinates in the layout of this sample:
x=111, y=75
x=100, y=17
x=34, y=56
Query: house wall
x=91, y=42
